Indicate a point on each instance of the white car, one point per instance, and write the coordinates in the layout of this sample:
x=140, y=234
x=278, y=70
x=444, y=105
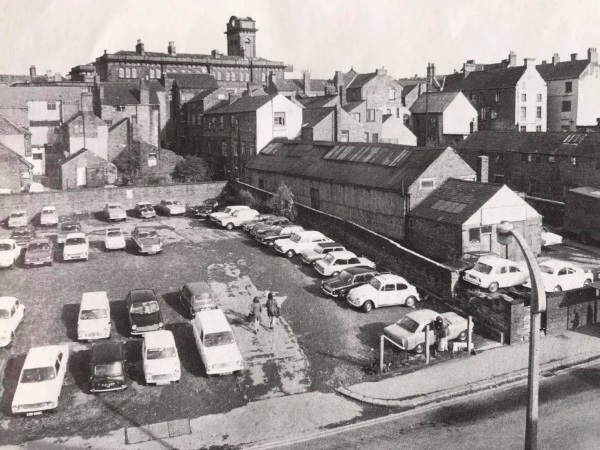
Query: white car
x=11, y=315
x=216, y=216
x=77, y=246
x=9, y=252
x=41, y=379
x=94, y=316
x=114, y=211
x=335, y=262
x=114, y=239
x=48, y=216
x=492, y=273
x=17, y=219
x=300, y=242
x=561, y=276
x=238, y=218
x=160, y=358
x=383, y=290
x=549, y=238
x=171, y=208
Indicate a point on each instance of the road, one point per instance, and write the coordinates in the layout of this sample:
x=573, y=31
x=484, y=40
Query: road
x=569, y=405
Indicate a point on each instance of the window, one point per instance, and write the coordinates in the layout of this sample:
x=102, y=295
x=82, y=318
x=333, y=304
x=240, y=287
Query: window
x=134, y=73
x=498, y=178
x=152, y=75
x=481, y=97
x=366, y=136
x=108, y=122
x=497, y=97
x=493, y=114
x=345, y=137
x=551, y=159
x=538, y=128
x=539, y=98
x=151, y=159
x=279, y=119
x=482, y=113
x=264, y=78
x=51, y=106
x=474, y=235
x=534, y=187
x=370, y=115
x=568, y=87
x=389, y=111
x=356, y=116
x=120, y=108
x=232, y=76
x=227, y=76
x=522, y=128
x=523, y=112
x=566, y=106
x=538, y=113
x=523, y=97
x=427, y=183
x=121, y=72
x=38, y=156
x=398, y=112
x=218, y=76
x=375, y=137
x=221, y=122
x=574, y=160
x=158, y=73
x=392, y=95
x=224, y=148
x=127, y=72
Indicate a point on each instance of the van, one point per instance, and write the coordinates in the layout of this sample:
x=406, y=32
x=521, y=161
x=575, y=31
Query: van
x=196, y=297
x=299, y=242
x=216, y=343
x=94, y=316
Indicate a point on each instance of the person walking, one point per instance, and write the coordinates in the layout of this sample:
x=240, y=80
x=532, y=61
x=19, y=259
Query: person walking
x=256, y=310
x=272, y=309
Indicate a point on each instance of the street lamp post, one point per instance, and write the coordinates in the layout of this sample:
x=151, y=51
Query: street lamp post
x=506, y=233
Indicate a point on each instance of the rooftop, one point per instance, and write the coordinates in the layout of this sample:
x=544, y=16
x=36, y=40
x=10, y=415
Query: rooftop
x=193, y=81
x=433, y=102
x=562, y=70
x=117, y=93
x=241, y=105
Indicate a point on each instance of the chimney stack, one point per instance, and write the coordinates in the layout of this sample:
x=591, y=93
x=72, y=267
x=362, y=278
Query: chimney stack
x=469, y=67
x=573, y=56
x=338, y=80
x=544, y=62
x=32, y=71
x=512, y=59
x=592, y=55
x=87, y=103
x=249, y=89
x=139, y=47
x=144, y=92
x=484, y=162
x=48, y=75
x=428, y=72
x=381, y=72
x=215, y=54
x=171, y=48
x=529, y=62
x=306, y=79
x=555, y=59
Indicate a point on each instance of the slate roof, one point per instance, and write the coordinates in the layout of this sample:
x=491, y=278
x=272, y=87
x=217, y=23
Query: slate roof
x=318, y=102
x=481, y=80
x=455, y=201
x=313, y=116
x=297, y=84
x=388, y=167
x=434, y=102
x=193, y=81
x=244, y=104
x=89, y=117
x=8, y=127
x=128, y=92
x=350, y=106
x=18, y=96
x=12, y=154
x=360, y=80
x=563, y=70
x=547, y=143
x=82, y=151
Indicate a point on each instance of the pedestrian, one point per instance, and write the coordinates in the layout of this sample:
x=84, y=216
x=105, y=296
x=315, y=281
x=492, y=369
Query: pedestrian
x=256, y=310
x=441, y=334
x=272, y=309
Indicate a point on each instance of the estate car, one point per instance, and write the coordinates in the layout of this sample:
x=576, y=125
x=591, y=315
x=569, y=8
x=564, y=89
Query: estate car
x=197, y=296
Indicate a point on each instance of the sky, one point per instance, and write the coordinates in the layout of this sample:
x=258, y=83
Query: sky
x=317, y=35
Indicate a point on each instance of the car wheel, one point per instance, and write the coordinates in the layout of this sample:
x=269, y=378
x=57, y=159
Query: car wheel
x=462, y=336
x=584, y=238
x=229, y=226
x=587, y=282
x=493, y=287
x=557, y=289
x=335, y=274
x=367, y=306
x=420, y=348
x=343, y=293
x=410, y=302
x=290, y=253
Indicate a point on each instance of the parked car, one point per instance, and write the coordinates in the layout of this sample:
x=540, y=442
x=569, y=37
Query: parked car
x=384, y=290
x=23, y=236
x=144, y=210
x=144, y=311
x=216, y=343
x=258, y=220
x=114, y=239
x=17, y=218
x=216, y=216
x=280, y=232
x=202, y=211
x=9, y=252
x=561, y=276
x=67, y=228
x=171, y=208
x=469, y=259
x=77, y=247
x=114, y=211
x=108, y=370
x=41, y=379
x=160, y=358
x=299, y=242
x=348, y=279
x=492, y=273
x=409, y=332
x=11, y=316
x=39, y=252
x=197, y=296
x=237, y=219
x=48, y=216
x=146, y=240
x=320, y=251
x=269, y=225
x=335, y=262
x=94, y=316
x=549, y=238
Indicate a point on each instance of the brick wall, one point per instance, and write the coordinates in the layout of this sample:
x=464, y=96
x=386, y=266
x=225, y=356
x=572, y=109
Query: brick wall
x=10, y=171
x=86, y=159
x=438, y=240
x=118, y=139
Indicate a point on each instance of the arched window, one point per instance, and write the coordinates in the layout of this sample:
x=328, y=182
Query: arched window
x=218, y=76
x=152, y=73
x=158, y=73
x=127, y=72
x=227, y=76
x=264, y=77
x=134, y=73
x=232, y=76
x=121, y=72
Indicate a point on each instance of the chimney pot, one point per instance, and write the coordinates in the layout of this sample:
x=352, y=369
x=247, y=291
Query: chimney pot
x=512, y=59
x=529, y=62
x=139, y=47
x=592, y=55
x=573, y=56
x=32, y=71
x=555, y=59
x=171, y=48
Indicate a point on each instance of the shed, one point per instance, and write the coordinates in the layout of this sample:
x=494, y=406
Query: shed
x=86, y=169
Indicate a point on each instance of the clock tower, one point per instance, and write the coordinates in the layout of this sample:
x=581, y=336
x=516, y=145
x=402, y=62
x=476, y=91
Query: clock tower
x=241, y=37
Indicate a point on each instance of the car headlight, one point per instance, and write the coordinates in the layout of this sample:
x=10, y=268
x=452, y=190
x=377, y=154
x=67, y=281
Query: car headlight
x=177, y=372
x=134, y=327
x=160, y=325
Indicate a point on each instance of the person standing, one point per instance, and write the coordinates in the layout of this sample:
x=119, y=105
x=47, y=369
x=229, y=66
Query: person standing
x=272, y=309
x=256, y=310
x=442, y=334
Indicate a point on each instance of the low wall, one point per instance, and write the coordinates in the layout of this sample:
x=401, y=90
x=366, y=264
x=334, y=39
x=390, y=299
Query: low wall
x=86, y=201
x=552, y=211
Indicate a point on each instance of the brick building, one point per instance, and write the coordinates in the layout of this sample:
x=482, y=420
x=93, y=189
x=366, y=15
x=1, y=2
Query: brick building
x=330, y=124
x=85, y=130
x=297, y=87
x=15, y=169
x=16, y=138
x=85, y=168
x=194, y=111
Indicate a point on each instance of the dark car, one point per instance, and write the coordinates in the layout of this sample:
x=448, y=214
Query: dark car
x=339, y=286
x=196, y=297
x=67, y=228
x=108, y=370
x=204, y=210
x=39, y=252
x=469, y=259
x=23, y=236
x=144, y=312
x=277, y=233
x=269, y=225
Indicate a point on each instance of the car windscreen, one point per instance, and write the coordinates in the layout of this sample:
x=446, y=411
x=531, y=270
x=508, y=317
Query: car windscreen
x=17, y=214
x=4, y=314
x=546, y=269
x=114, y=369
x=345, y=276
x=144, y=307
x=160, y=353
x=409, y=324
x=295, y=237
x=329, y=259
x=38, y=374
x=5, y=247
x=47, y=211
x=147, y=234
x=227, y=211
x=114, y=206
x=483, y=268
x=201, y=298
x=116, y=233
x=145, y=207
x=375, y=283
x=470, y=258
x=220, y=338
x=21, y=233
x=69, y=228
x=38, y=246
x=75, y=241
x=91, y=314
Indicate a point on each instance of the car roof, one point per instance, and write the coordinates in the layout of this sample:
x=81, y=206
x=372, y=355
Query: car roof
x=309, y=233
x=19, y=211
x=343, y=254
x=212, y=320
x=49, y=207
x=423, y=315
x=358, y=270
x=107, y=352
x=390, y=277
x=7, y=241
x=94, y=299
x=330, y=245
x=142, y=295
x=7, y=302
x=40, y=240
x=198, y=287
x=555, y=263
x=114, y=229
x=75, y=235
x=159, y=339
x=42, y=356
x=494, y=260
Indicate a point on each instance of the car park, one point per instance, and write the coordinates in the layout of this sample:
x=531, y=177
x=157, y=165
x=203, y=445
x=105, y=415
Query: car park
x=299, y=242
x=144, y=210
x=171, y=208
x=17, y=219
x=202, y=211
x=114, y=211
x=48, y=216
x=312, y=255
x=348, y=279
x=9, y=252
x=11, y=316
x=549, y=238
x=469, y=259
x=94, y=316
x=160, y=358
x=561, y=276
x=23, y=236
x=335, y=262
x=384, y=290
x=146, y=240
x=67, y=228
x=279, y=232
x=492, y=273
x=114, y=239
x=108, y=367
x=237, y=219
x=197, y=296
x=39, y=252
x=216, y=216
x=409, y=332
x=256, y=221
x=216, y=343
x=269, y=225
x=76, y=247
x=143, y=311
x=41, y=380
